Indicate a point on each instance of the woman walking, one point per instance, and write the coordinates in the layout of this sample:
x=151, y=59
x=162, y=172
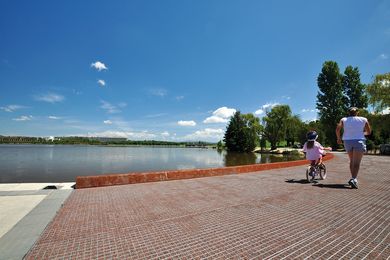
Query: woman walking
x=355, y=128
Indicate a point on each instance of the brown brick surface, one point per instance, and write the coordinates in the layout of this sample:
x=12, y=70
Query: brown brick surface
x=272, y=215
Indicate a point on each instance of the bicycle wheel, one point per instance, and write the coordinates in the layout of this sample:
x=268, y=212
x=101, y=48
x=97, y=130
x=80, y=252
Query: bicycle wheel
x=308, y=171
x=322, y=170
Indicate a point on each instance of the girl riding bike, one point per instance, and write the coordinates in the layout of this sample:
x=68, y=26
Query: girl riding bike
x=314, y=150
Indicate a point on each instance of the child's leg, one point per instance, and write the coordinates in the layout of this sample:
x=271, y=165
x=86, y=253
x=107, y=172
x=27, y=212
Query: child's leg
x=320, y=159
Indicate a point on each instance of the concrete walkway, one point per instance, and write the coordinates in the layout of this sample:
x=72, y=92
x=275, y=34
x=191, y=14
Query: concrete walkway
x=272, y=214
x=25, y=211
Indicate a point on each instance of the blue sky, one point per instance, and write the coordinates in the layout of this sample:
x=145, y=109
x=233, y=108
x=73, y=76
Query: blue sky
x=175, y=70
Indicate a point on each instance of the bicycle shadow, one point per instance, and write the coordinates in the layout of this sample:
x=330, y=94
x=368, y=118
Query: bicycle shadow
x=333, y=186
x=301, y=181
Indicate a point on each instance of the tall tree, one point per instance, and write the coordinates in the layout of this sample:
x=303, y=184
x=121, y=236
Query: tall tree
x=275, y=124
x=379, y=92
x=353, y=88
x=331, y=103
x=242, y=133
x=234, y=133
x=254, y=129
x=294, y=125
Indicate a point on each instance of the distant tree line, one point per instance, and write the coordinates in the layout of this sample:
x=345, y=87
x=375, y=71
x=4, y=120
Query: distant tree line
x=336, y=93
x=95, y=141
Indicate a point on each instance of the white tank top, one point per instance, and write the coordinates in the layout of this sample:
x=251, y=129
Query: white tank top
x=354, y=127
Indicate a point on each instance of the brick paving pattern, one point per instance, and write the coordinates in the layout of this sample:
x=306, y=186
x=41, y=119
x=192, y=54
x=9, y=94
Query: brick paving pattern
x=272, y=214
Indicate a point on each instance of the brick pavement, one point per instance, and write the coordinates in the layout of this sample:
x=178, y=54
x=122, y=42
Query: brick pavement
x=265, y=215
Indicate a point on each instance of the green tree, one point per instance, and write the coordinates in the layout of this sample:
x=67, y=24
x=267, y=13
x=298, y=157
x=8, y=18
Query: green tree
x=275, y=124
x=380, y=128
x=254, y=129
x=242, y=133
x=234, y=135
x=354, y=90
x=311, y=126
x=294, y=125
x=263, y=143
x=379, y=92
x=331, y=102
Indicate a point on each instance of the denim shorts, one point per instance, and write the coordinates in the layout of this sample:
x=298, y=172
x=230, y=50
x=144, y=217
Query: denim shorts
x=355, y=145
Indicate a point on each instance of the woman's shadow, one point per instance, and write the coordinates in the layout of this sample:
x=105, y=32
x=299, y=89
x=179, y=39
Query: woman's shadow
x=320, y=185
x=333, y=186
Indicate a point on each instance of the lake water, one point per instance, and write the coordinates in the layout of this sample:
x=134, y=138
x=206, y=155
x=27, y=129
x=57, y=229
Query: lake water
x=63, y=163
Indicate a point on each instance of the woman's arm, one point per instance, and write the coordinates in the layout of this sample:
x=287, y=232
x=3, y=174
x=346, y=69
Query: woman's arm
x=367, y=128
x=338, y=132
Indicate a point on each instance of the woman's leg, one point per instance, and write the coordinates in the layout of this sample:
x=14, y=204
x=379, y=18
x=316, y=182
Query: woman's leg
x=355, y=163
x=350, y=155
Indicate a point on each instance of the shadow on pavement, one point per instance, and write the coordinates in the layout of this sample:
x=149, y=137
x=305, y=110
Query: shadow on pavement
x=333, y=186
x=301, y=181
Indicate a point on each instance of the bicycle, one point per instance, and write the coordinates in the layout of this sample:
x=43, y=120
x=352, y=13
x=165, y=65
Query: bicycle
x=314, y=171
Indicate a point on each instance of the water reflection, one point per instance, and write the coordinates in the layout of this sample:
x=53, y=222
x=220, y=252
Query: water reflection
x=60, y=163
x=234, y=158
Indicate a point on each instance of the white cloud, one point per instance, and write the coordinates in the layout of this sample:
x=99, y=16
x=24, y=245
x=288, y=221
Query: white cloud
x=259, y=111
x=186, y=123
x=165, y=134
x=215, y=119
x=99, y=66
x=11, y=108
x=179, y=97
x=221, y=115
x=50, y=98
x=269, y=105
x=208, y=134
x=383, y=56
x=111, y=109
x=101, y=82
x=54, y=117
x=144, y=135
x=107, y=122
x=160, y=92
x=265, y=107
x=118, y=134
x=224, y=112
x=23, y=118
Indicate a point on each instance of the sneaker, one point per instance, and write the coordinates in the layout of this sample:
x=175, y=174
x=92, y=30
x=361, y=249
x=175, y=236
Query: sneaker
x=353, y=183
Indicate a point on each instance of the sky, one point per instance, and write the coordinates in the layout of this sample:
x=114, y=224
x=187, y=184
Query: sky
x=175, y=70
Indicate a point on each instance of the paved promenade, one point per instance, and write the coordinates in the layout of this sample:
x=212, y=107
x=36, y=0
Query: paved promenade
x=271, y=214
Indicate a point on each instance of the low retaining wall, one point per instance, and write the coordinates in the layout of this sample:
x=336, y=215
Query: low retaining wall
x=141, y=177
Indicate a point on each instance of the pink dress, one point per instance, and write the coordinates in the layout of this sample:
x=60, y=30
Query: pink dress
x=314, y=153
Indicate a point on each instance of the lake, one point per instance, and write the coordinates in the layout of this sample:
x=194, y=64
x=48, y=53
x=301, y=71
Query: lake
x=63, y=163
